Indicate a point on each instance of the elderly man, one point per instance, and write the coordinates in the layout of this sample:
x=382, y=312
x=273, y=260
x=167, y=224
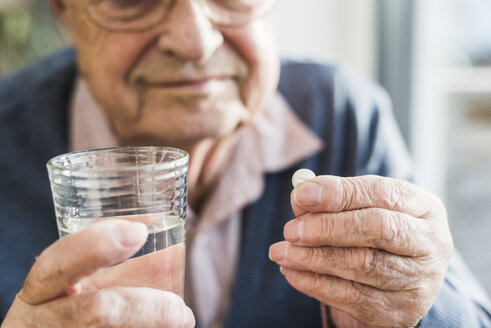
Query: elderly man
x=203, y=75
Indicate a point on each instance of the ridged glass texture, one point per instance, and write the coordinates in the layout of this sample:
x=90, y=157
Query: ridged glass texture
x=117, y=182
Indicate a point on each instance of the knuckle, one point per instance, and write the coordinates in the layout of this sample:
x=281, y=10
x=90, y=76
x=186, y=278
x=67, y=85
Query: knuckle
x=381, y=226
x=364, y=260
x=316, y=286
x=352, y=294
x=347, y=195
x=327, y=228
x=102, y=309
x=311, y=284
x=388, y=226
x=375, y=265
x=365, y=188
x=394, y=192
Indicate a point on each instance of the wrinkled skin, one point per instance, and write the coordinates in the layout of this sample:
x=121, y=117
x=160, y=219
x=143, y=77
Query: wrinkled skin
x=76, y=285
x=374, y=249
x=143, y=80
x=184, y=83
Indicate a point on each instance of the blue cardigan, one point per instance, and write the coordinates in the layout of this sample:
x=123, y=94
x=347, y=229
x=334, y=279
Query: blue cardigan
x=350, y=115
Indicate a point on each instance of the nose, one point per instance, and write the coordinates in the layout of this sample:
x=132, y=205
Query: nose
x=188, y=34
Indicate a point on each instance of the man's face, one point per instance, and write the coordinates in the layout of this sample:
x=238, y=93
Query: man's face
x=180, y=82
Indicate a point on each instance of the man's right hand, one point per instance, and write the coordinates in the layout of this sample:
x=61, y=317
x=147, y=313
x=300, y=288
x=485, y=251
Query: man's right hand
x=69, y=287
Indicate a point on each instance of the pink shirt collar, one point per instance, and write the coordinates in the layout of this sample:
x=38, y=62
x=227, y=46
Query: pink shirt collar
x=274, y=141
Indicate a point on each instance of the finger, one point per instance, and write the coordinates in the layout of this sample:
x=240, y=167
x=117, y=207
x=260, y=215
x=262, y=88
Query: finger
x=162, y=270
x=364, y=303
x=335, y=194
x=62, y=265
x=395, y=232
x=367, y=266
x=126, y=307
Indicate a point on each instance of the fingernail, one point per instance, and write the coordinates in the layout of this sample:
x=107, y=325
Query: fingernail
x=131, y=233
x=308, y=193
x=293, y=230
x=278, y=251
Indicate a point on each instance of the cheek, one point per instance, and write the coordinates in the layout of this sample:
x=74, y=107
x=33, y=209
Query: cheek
x=256, y=45
x=105, y=60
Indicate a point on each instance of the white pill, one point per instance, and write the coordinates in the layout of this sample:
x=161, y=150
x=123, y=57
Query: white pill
x=301, y=176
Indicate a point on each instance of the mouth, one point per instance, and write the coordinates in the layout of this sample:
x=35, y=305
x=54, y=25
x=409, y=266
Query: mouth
x=190, y=86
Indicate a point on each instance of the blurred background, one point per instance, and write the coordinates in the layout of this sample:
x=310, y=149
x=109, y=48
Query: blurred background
x=434, y=58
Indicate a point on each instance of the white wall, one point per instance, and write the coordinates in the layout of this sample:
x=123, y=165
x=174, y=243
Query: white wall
x=329, y=30
x=428, y=116
x=344, y=31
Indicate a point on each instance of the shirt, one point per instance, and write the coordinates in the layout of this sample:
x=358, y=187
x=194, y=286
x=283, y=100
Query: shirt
x=275, y=139
x=351, y=115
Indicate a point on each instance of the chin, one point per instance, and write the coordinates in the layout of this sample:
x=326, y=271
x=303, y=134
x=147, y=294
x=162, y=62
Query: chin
x=183, y=132
x=172, y=123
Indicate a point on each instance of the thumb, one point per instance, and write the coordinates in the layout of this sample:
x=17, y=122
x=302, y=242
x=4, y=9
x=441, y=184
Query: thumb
x=63, y=264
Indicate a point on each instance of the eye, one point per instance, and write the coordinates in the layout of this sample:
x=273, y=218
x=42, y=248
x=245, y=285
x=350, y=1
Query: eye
x=123, y=10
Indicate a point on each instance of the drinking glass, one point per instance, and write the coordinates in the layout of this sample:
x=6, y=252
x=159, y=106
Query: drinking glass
x=141, y=184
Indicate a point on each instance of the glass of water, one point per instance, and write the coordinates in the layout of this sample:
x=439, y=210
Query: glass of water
x=142, y=184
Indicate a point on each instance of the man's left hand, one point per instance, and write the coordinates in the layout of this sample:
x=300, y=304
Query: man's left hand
x=373, y=249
